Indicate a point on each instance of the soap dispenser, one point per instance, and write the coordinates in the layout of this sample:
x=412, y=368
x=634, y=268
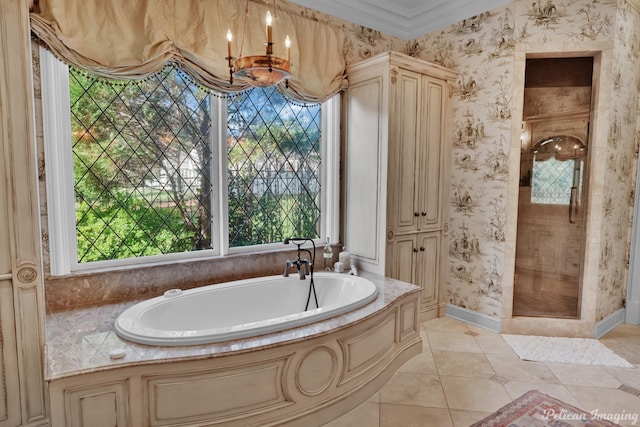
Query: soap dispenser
x=345, y=257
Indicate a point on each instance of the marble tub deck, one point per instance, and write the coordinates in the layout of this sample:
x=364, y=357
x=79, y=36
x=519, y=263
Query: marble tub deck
x=80, y=341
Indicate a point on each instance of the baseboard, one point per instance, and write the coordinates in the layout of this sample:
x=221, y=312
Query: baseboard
x=609, y=323
x=474, y=318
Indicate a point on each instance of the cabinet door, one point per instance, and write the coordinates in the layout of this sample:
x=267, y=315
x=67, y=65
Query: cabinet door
x=428, y=266
x=404, y=254
x=92, y=405
x=404, y=145
x=431, y=154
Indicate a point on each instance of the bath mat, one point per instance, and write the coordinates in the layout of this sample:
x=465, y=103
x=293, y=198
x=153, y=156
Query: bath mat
x=579, y=351
x=535, y=409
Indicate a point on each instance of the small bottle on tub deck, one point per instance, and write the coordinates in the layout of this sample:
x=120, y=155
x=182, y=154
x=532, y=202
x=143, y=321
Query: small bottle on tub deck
x=327, y=253
x=345, y=257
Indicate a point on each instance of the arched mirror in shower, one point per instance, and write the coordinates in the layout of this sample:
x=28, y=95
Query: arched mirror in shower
x=553, y=180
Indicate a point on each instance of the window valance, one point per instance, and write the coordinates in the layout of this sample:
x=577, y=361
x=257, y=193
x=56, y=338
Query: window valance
x=129, y=39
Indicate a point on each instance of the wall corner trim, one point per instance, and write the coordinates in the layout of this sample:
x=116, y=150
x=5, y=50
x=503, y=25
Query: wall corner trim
x=473, y=318
x=632, y=315
x=609, y=323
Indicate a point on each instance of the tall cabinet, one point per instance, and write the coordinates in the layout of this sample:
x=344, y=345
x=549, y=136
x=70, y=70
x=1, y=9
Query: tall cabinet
x=397, y=138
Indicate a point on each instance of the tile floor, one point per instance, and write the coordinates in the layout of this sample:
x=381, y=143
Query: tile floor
x=465, y=373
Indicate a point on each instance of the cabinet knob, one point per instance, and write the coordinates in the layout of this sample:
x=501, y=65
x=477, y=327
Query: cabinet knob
x=416, y=214
x=415, y=249
x=423, y=213
x=421, y=248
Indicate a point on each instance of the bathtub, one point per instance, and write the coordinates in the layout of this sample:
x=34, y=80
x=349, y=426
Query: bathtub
x=302, y=376
x=241, y=309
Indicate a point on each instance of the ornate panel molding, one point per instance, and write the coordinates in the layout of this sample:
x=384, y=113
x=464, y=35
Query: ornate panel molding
x=21, y=307
x=9, y=402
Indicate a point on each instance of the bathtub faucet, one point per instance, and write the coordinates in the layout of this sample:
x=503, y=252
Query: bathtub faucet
x=304, y=266
x=300, y=263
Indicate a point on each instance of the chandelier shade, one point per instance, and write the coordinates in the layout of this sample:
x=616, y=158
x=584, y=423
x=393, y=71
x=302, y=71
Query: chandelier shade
x=262, y=70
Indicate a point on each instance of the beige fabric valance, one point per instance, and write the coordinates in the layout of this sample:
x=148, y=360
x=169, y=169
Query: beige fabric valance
x=132, y=38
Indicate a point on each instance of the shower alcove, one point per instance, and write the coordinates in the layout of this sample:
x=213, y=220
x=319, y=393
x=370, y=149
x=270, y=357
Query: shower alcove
x=556, y=138
x=551, y=216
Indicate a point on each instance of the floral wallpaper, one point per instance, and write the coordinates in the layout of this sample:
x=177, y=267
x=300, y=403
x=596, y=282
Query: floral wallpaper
x=620, y=163
x=482, y=49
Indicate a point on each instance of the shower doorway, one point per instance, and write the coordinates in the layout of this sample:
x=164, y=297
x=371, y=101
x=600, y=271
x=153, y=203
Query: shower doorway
x=553, y=180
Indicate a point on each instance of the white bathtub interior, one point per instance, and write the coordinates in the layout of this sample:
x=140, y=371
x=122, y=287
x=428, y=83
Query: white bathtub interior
x=241, y=309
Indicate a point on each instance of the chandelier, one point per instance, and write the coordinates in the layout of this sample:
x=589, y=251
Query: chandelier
x=259, y=70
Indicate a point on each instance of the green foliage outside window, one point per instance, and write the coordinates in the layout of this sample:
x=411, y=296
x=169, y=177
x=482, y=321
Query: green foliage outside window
x=273, y=168
x=143, y=167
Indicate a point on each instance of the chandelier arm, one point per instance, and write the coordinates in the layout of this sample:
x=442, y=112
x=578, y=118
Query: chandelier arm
x=244, y=28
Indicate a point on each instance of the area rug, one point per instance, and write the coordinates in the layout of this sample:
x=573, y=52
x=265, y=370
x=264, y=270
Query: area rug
x=535, y=409
x=579, y=351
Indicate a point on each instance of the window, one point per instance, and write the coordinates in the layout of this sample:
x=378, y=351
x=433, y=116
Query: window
x=162, y=169
x=557, y=171
x=274, y=168
x=552, y=181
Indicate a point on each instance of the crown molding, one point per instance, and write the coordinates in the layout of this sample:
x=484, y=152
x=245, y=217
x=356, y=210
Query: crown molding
x=405, y=19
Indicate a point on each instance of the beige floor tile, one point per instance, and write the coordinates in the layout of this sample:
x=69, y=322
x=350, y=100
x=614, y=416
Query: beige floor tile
x=632, y=343
x=409, y=388
x=629, y=349
x=559, y=391
x=364, y=415
x=590, y=376
x=466, y=418
x=421, y=364
x=474, y=394
x=480, y=331
x=418, y=416
x=447, y=384
x=494, y=344
x=627, y=376
x=622, y=349
x=375, y=398
x=607, y=401
x=624, y=330
x=445, y=324
x=447, y=341
x=520, y=370
x=426, y=348
x=463, y=364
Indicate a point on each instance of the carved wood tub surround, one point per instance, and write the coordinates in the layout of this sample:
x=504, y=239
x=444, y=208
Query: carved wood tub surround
x=302, y=376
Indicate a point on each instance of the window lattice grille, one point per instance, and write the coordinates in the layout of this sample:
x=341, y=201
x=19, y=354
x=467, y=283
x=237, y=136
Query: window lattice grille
x=142, y=165
x=274, y=168
x=552, y=181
